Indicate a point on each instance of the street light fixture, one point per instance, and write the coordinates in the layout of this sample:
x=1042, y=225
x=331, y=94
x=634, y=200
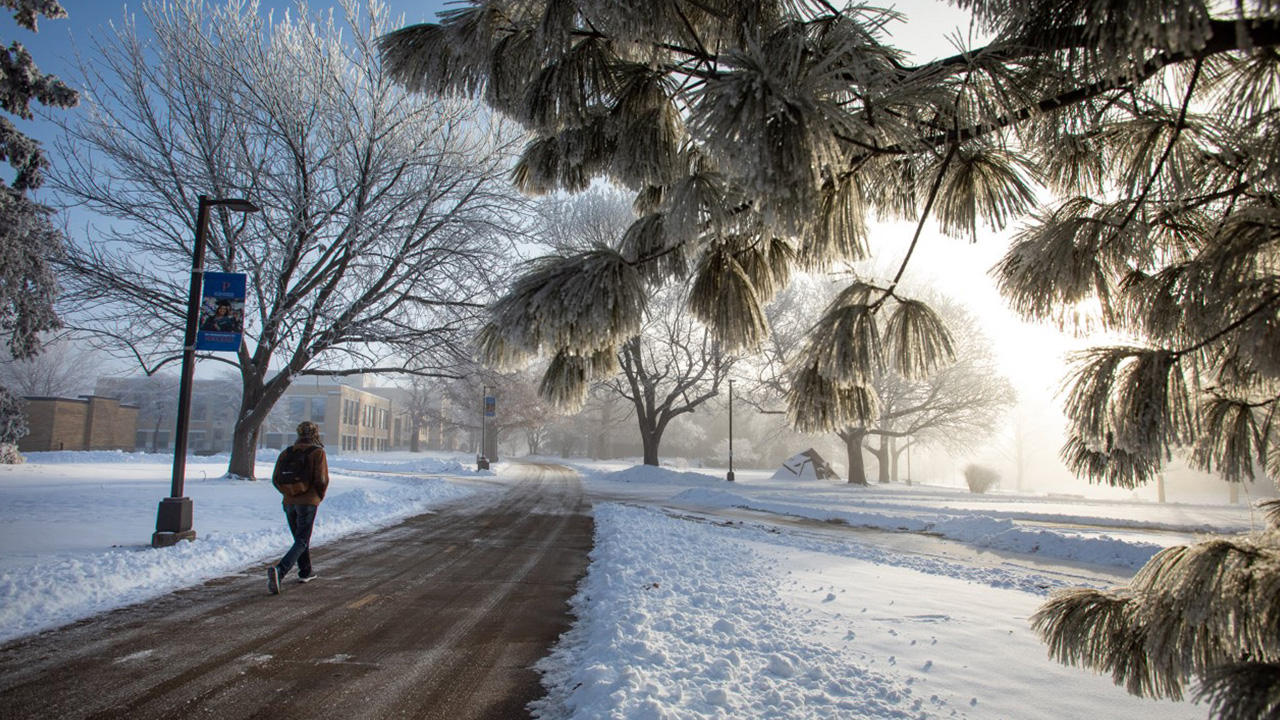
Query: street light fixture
x=729, y=477
x=173, y=520
x=482, y=461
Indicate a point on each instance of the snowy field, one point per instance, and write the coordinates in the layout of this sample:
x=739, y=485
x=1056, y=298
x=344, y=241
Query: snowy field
x=704, y=599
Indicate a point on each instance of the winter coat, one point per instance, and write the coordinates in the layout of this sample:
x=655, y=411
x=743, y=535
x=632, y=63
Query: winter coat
x=317, y=469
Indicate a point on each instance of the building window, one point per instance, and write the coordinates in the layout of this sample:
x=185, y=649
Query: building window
x=317, y=410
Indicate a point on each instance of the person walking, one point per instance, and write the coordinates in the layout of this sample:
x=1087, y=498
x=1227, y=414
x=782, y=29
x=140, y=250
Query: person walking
x=302, y=476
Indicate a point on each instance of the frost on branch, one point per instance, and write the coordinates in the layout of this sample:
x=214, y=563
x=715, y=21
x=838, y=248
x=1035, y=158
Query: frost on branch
x=919, y=340
x=580, y=308
x=1206, y=611
x=1129, y=404
x=725, y=300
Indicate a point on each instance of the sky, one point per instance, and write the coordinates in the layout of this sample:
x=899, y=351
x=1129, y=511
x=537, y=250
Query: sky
x=905, y=602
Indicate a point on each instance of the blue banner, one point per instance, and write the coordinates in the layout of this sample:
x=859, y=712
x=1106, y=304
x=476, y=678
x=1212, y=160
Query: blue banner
x=221, y=312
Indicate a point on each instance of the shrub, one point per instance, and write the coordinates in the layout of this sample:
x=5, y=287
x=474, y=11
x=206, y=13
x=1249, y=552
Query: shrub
x=980, y=478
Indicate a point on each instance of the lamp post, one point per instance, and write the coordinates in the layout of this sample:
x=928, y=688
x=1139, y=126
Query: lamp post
x=173, y=520
x=909, y=460
x=729, y=477
x=482, y=462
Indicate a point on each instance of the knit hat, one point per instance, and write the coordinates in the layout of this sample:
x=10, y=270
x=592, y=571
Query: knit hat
x=308, y=430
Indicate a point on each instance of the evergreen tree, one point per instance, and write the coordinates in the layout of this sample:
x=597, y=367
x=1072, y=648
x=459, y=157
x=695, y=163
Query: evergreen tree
x=28, y=239
x=758, y=137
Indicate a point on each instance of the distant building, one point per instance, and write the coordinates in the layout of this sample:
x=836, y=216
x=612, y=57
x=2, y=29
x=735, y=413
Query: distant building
x=89, y=422
x=352, y=418
x=403, y=427
x=214, y=404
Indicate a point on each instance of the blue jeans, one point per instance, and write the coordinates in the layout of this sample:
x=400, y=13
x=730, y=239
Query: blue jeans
x=301, y=519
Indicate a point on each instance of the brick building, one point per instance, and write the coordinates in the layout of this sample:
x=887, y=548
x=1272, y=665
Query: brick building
x=89, y=422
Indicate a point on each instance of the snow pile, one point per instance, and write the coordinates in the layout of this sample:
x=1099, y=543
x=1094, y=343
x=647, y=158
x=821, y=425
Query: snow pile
x=653, y=475
x=678, y=620
x=426, y=465
x=94, y=456
x=987, y=532
x=1005, y=535
x=57, y=589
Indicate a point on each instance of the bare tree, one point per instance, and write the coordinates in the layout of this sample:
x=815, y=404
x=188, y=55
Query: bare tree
x=155, y=396
x=954, y=408
x=671, y=368
x=951, y=407
x=58, y=371
x=386, y=221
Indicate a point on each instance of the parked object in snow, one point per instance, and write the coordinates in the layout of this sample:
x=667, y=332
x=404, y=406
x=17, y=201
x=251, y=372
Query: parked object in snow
x=808, y=465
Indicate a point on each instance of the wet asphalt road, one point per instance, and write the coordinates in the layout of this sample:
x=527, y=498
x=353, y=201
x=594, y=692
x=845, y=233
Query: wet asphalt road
x=440, y=617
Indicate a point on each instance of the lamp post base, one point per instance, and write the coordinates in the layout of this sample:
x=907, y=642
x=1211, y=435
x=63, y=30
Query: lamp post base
x=173, y=522
x=729, y=477
x=165, y=539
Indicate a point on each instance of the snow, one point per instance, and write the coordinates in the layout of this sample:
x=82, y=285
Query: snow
x=703, y=599
x=75, y=528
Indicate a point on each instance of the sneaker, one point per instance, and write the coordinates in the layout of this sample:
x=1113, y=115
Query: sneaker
x=273, y=580
x=307, y=578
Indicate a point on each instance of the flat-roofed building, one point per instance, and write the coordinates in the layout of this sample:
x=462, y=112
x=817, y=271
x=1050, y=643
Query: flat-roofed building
x=89, y=422
x=351, y=418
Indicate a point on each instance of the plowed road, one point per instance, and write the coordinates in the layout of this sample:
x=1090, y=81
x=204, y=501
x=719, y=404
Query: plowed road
x=439, y=617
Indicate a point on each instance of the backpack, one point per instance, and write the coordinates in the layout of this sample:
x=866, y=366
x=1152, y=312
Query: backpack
x=291, y=477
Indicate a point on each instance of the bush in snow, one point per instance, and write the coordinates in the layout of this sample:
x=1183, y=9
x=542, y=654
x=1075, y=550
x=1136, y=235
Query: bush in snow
x=980, y=478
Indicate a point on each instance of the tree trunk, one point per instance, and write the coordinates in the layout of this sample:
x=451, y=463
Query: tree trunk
x=650, y=439
x=155, y=433
x=243, y=451
x=415, y=442
x=882, y=460
x=600, y=444
x=256, y=401
x=853, y=450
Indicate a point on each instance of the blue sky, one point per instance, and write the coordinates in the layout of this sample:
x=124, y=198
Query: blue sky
x=54, y=46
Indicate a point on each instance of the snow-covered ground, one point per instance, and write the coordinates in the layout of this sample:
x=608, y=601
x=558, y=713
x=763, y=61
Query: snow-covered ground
x=704, y=599
x=75, y=527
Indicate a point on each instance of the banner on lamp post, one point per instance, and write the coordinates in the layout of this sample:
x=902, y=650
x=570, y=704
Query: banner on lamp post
x=221, y=312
